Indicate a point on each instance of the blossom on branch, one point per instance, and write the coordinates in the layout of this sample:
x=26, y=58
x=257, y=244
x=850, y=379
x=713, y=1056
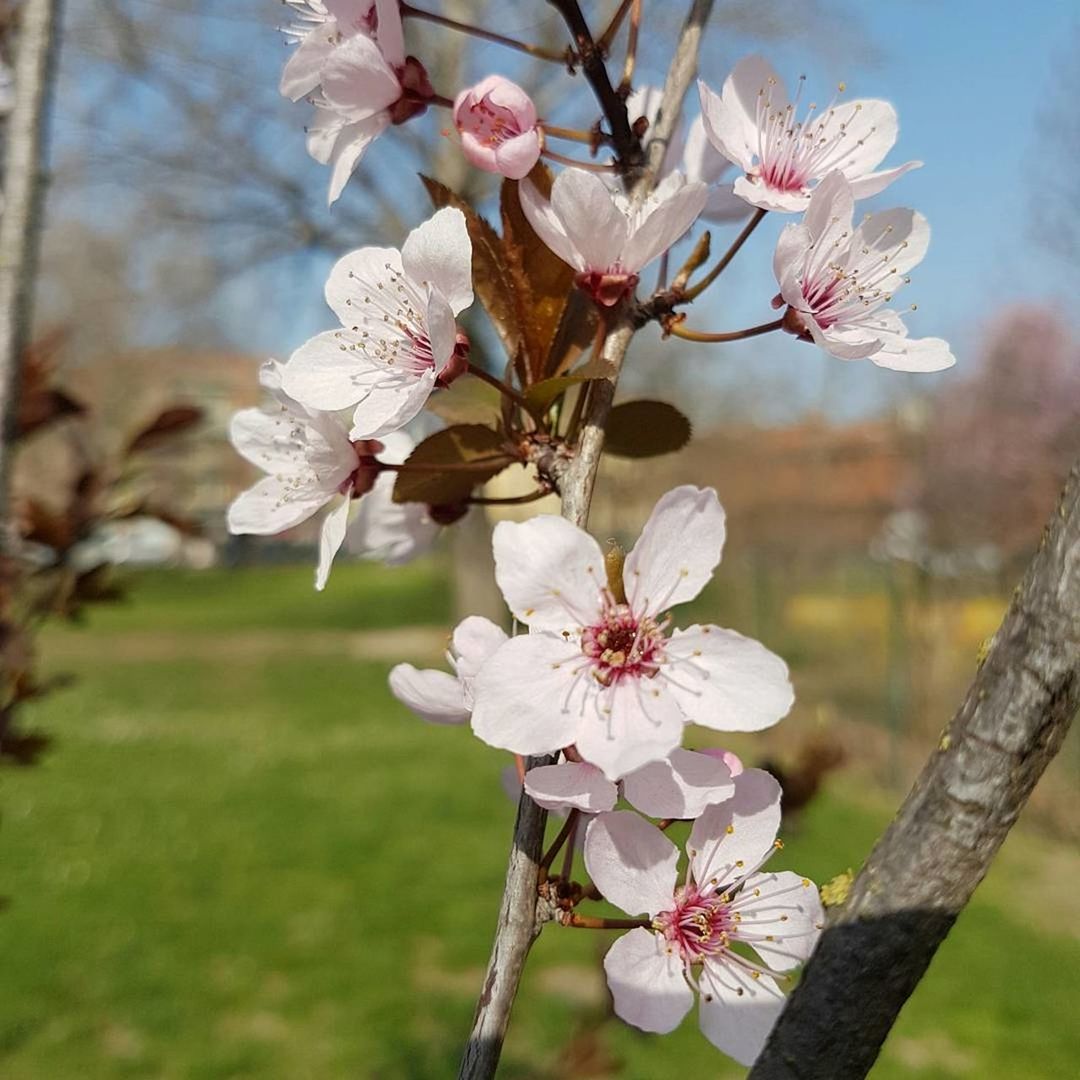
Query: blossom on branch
x=602, y=236
x=680, y=786
x=836, y=279
x=398, y=338
x=725, y=901
x=351, y=65
x=498, y=126
x=752, y=123
x=690, y=153
x=310, y=461
x=600, y=669
x=437, y=696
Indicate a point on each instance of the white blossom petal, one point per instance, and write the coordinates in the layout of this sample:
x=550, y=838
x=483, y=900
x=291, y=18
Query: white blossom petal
x=435, y=696
x=520, y=696
x=737, y=1012
x=331, y=536
x=550, y=572
x=571, y=784
x=780, y=918
x=357, y=81
x=631, y=862
x=677, y=552
x=729, y=840
x=272, y=506
x=475, y=641
x=680, y=787
x=597, y=227
x=646, y=980
x=726, y=681
x=439, y=252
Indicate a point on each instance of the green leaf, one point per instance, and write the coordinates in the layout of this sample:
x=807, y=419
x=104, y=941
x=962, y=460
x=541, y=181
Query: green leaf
x=640, y=429
x=541, y=395
x=446, y=467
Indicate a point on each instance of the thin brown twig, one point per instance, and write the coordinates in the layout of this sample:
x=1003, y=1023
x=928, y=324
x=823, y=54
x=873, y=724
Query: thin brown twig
x=603, y=42
x=575, y=163
x=503, y=388
x=568, y=827
x=509, y=500
x=566, y=57
x=699, y=287
x=629, y=64
x=678, y=330
x=591, y=922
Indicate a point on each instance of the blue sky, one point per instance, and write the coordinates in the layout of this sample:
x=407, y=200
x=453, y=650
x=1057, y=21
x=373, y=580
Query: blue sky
x=970, y=81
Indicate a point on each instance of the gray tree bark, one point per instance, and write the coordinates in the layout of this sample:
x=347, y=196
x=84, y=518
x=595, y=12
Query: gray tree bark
x=925, y=868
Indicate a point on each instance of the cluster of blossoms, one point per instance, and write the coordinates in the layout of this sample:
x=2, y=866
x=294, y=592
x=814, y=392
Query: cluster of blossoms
x=602, y=688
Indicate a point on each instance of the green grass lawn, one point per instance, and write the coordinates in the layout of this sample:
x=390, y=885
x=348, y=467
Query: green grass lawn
x=237, y=865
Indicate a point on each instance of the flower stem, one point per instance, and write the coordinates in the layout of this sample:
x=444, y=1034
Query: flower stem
x=510, y=500
x=725, y=259
x=591, y=166
x=631, y=48
x=687, y=334
x=503, y=388
x=571, y=134
x=568, y=827
x=565, y=57
x=603, y=42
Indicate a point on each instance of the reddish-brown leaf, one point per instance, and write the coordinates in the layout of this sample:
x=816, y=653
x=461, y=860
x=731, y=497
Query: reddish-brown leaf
x=166, y=425
x=639, y=429
x=446, y=466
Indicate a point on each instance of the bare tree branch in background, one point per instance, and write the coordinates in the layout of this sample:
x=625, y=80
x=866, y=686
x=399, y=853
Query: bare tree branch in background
x=970, y=793
x=20, y=223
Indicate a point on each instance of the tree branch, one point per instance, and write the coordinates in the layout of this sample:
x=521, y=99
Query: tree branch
x=20, y=222
x=925, y=868
x=521, y=915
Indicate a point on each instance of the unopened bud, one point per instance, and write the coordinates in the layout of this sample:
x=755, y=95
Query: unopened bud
x=614, y=558
x=458, y=363
x=448, y=513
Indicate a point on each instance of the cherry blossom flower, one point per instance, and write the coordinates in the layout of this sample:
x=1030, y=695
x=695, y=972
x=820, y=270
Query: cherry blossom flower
x=499, y=130
x=437, y=696
x=605, y=675
x=836, y=280
x=391, y=532
x=602, y=236
x=310, y=462
x=690, y=153
x=398, y=339
x=752, y=123
x=680, y=787
x=351, y=65
x=725, y=901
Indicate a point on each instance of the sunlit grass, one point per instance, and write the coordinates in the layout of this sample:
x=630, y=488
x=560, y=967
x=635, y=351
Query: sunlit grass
x=254, y=867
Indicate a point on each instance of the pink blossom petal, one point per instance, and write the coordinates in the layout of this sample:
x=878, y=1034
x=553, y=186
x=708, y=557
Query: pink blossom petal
x=781, y=918
x=680, y=787
x=631, y=862
x=767, y=198
x=730, y=117
x=646, y=982
x=677, y=552
x=893, y=240
x=731, y=760
x=633, y=722
x=439, y=252
x=730, y=839
x=551, y=573
x=435, y=696
x=520, y=696
x=737, y=1012
x=574, y=785
x=725, y=681
x=516, y=157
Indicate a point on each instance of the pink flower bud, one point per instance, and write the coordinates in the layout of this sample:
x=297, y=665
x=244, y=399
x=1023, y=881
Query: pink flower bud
x=497, y=123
